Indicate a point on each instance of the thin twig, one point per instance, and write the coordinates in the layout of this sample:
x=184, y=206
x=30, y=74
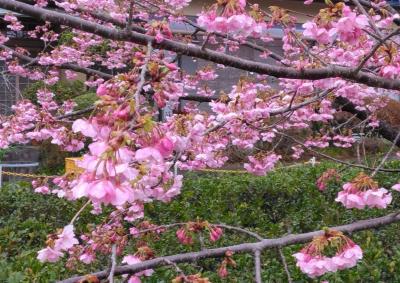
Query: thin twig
x=225, y=226
x=143, y=75
x=79, y=212
x=285, y=265
x=177, y=268
x=113, y=263
x=386, y=156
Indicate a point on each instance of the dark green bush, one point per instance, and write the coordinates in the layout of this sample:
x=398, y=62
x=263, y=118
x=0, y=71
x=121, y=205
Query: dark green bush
x=85, y=100
x=285, y=201
x=63, y=90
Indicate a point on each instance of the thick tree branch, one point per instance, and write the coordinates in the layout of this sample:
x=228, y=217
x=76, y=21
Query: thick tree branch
x=244, y=248
x=196, y=51
x=257, y=266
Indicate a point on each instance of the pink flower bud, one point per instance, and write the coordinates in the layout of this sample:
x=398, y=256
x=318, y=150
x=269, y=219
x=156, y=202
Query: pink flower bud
x=101, y=90
x=171, y=66
x=165, y=146
x=223, y=271
x=183, y=237
x=215, y=234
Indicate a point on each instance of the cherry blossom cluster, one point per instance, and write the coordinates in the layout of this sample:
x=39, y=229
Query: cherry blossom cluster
x=344, y=254
x=132, y=158
x=57, y=243
x=233, y=20
x=363, y=192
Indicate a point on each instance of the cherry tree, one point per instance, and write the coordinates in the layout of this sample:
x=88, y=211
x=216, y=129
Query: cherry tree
x=345, y=59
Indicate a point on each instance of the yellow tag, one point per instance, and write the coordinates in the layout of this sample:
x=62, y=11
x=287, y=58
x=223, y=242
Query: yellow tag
x=70, y=165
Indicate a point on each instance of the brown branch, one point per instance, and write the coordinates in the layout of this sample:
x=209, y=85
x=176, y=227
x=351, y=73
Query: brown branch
x=177, y=268
x=79, y=212
x=106, y=18
x=244, y=248
x=195, y=51
x=275, y=112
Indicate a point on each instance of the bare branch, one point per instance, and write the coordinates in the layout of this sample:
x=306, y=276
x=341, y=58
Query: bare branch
x=177, y=268
x=389, y=152
x=285, y=265
x=113, y=263
x=257, y=265
x=79, y=212
x=143, y=75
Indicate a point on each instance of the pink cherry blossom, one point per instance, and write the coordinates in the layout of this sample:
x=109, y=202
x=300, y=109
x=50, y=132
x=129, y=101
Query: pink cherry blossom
x=316, y=264
x=165, y=146
x=350, y=26
x=321, y=35
x=66, y=239
x=49, y=254
x=396, y=187
x=132, y=259
x=348, y=258
x=87, y=258
x=260, y=166
x=351, y=197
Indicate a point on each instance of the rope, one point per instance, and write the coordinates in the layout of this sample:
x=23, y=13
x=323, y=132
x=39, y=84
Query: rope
x=312, y=162
x=33, y=176
x=25, y=175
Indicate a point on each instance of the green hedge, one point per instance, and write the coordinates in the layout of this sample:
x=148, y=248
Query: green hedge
x=282, y=202
x=64, y=90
